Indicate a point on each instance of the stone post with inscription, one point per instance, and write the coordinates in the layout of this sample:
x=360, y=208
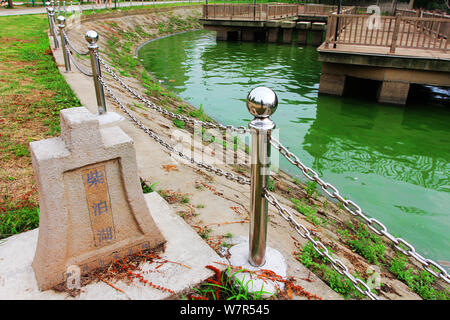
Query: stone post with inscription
x=92, y=209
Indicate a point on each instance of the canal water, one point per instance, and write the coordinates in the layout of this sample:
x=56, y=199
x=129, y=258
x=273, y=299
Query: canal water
x=393, y=161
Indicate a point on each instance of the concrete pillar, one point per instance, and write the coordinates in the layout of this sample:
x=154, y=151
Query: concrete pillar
x=222, y=35
x=318, y=29
x=272, y=36
x=288, y=27
x=247, y=35
x=333, y=84
x=394, y=92
x=273, y=29
x=303, y=27
x=287, y=35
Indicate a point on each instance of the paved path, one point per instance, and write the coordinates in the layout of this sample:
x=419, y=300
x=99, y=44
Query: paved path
x=40, y=10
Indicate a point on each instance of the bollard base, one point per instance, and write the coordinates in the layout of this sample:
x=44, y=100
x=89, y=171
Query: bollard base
x=110, y=119
x=274, y=262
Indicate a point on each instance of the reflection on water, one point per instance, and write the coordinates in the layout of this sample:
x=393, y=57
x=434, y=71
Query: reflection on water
x=393, y=161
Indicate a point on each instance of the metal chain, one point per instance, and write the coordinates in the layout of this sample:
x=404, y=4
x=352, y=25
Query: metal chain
x=208, y=125
x=351, y=207
x=319, y=247
x=66, y=38
x=72, y=58
x=220, y=172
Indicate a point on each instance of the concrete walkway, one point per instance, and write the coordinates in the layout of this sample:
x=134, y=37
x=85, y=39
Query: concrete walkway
x=40, y=10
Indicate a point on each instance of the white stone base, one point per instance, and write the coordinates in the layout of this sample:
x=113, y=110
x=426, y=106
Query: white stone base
x=184, y=245
x=274, y=262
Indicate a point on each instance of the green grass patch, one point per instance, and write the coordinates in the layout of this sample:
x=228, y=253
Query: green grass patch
x=309, y=212
x=32, y=94
x=321, y=265
x=419, y=282
x=364, y=242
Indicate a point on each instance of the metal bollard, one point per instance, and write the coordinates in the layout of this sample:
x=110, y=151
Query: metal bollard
x=261, y=103
x=51, y=14
x=92, y=38
x=61, y=26
x=47, y=4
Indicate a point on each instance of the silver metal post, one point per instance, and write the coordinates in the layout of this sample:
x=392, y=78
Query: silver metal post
x=261, y=103
x=47, y=4
x=51, y=13
x=61, y=26
x=92, y=38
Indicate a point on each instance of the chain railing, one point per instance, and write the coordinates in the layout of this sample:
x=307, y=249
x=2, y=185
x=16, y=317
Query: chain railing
x=261, y=103
x=319, y=247
x=352, y=208
x=220, y=172
x=69, y=42
x=192, y=121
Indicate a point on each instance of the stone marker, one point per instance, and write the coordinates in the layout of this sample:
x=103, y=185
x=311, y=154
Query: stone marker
x=92, y=208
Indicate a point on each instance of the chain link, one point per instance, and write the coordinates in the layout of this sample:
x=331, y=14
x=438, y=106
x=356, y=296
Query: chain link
x=220, y=172
x=208, y=125
x=319, y=247
x=75, y=63
x=352, y=208
x=66, y=38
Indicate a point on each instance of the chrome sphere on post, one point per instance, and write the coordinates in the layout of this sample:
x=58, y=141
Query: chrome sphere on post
x=61, y=21
x=262, y=102
x=92, y=38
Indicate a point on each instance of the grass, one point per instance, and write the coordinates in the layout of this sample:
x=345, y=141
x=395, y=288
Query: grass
x=32, y=93
x=419, y=282
x=309, y=212
x=227, y=287
x=364, y=242
x=148, y=188
x=321, y=265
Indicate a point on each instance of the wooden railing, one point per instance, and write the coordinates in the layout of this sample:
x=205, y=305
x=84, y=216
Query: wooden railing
x=392, y=32
x=266, y=11
x=258, y=12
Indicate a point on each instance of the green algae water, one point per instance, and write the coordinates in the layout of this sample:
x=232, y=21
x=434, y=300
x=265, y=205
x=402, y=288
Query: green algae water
x=393, y=161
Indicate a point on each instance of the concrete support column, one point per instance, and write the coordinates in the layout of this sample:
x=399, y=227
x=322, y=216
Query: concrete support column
x=303, y=27
x=248, y=35
x=318, y=29
x=394, y=92
x=222, y=35
x=272, y=30
x=288, y=27
x=333, y=84
x=272, y=36
x=287, y=35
